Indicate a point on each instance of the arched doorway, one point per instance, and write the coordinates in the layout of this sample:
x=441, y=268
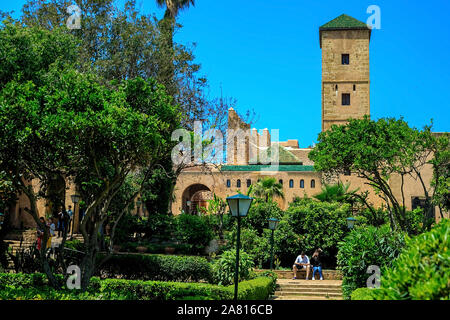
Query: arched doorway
x=195, y=197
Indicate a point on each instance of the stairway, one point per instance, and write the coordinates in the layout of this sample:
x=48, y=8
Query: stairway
x=288, y=289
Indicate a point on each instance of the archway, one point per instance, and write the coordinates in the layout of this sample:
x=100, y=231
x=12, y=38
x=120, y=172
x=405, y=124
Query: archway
x=195, y=197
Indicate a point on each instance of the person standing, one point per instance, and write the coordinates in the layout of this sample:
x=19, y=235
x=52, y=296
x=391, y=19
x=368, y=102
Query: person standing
x=40, y=233
x=52, y=228
x=316, y=264
x=69, y=218
x=60, y=222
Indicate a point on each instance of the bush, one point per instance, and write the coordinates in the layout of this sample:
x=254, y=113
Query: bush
x=224, y=268
x=33, y=287
x=363, y=294
x=318, y=225
x=422, y=271
x=193, y=230
x=156, y=267
x=257, y=247
x=258, y=215
x=366, y=246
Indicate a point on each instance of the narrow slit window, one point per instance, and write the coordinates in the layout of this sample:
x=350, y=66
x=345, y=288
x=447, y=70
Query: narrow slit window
x=249, y=183
x=228, y=183
x=238, y=183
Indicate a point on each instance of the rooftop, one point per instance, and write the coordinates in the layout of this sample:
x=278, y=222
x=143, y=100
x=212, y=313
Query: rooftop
x=343, y=22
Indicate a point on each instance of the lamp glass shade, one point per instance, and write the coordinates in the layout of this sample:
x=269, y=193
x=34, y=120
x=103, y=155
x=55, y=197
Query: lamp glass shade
x=273, y=223
x=2, y=217
x=138, y=203
x=351, y=222
x=75, y=198
x=239, y=201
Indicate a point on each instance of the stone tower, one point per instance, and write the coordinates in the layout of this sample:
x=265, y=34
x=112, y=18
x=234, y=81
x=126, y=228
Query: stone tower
x=345, y=70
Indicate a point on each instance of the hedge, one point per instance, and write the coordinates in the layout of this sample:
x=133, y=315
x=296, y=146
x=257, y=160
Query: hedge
x=34, y=286
x=422, y=270
x=363, y=294
x=156, y=267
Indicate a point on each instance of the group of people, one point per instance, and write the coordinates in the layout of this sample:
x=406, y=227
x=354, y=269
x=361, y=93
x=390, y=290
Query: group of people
x=60, y=223
x=304, y=262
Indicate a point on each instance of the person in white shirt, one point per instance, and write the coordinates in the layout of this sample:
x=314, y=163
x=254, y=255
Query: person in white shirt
x=302, y=261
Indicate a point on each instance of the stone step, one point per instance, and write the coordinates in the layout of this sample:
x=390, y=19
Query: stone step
x=304, y=298
x=309, y=290
x=307, y=294
x=309, y=284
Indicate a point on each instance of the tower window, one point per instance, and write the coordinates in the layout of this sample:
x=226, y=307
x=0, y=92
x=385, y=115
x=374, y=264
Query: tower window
x=291, y=183
x=249, y=183
x=280, y=181
x=238, y=183
x=302, y=183
x=345, y=58
x=228, y=183
x=354, y=87
x=313, y=183
x=346, y=99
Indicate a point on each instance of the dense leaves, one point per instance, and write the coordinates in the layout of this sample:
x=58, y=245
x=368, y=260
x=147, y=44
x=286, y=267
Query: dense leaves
x=363, y=247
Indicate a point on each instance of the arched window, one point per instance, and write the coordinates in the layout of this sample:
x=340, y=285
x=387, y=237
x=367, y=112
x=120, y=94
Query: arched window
x=291, y=183
x=280, y=181
x=302, y=183
x=249, y=183
x=313, y=183
x=238, y=183
x=228, y=183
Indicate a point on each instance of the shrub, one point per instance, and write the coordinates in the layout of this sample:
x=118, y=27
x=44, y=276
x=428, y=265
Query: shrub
x=193, y=230
x=256, y=246
x=422, y=271
x=161, y=226
x=366, y=246
x=224, y=268
x=30, y=287
x=363, y=294
x=318, y=225
x=157, y=267
x=259, y=213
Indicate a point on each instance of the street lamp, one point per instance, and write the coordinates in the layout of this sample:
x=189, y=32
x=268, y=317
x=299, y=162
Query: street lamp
x=239, y=206
x=75, y=199
x=273, y=223
x=351, y=222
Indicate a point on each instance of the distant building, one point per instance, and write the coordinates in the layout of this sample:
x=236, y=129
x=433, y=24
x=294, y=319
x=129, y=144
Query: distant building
x=345, y=94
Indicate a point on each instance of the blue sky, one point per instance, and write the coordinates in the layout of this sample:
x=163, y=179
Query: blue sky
x=266, y=54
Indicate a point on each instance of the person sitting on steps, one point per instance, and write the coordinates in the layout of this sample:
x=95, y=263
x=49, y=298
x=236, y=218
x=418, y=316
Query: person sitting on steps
x=302, y=261
x=316, y=264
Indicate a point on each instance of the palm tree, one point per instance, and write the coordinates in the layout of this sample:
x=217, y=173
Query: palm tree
x=336, y=192
x=174, y=6
x=268, y=188
x=166, y=70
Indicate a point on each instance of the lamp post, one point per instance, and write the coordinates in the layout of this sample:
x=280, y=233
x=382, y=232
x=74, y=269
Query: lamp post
x=351, y=222
x=75, y=200
x=239, y=206
x=273, y=223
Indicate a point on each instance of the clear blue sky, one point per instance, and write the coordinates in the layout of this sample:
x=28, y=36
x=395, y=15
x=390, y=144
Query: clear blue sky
x=266, y=54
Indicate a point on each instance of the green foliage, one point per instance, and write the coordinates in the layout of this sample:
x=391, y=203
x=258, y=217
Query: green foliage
x=253, y=244
x=224, y=268
x=193, y=230
x=267, y=188
x=338, y=192
x=375, y=150
x=259, y=214
x=156, y=267
x=363, y=247
x=160, y=226
x=422, y=270
x=363, y=294
x=35, y=287
x=318, y=225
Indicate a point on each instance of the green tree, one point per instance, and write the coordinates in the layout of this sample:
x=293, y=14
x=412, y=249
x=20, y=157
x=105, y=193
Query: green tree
x=267, y=189
x=375, y=151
